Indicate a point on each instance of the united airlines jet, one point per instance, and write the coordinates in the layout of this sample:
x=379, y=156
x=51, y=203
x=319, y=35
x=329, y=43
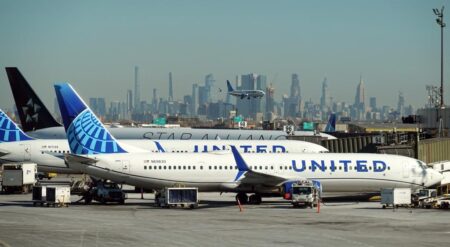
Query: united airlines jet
x=96, y=152
x=48, y=154
x=37, y=121
x=244, y=93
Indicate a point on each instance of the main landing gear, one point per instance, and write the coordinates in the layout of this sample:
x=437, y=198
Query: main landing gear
x=244, y=199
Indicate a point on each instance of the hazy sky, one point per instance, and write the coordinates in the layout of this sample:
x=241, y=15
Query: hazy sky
x=394, y=45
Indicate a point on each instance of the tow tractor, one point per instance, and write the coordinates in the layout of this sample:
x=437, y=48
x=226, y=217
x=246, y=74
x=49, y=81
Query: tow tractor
x=426, y=198
x=103, y=192
x=305, y=193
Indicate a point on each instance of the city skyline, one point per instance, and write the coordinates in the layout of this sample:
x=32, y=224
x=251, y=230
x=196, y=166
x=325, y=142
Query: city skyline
x=393, y=45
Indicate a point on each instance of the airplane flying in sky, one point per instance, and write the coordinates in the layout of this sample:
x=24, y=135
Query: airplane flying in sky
x=48, y=154
x=96, y=152
x=245, y=93
x=37, y=121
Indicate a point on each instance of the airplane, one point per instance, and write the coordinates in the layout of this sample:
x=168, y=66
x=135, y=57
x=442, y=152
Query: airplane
x=105, y=157
x=48, y=154
x=245, y=93
x=37, y=121
x=331, y=125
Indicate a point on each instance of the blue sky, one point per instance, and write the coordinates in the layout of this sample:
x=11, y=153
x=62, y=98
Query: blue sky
x=95, y=45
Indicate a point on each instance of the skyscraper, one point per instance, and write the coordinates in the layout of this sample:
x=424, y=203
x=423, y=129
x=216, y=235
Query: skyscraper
x=270, y=102
x=129, y=100
x=360, y=105
x=360, y=94
x=292, y=103
x=170, y=87
x=248, y=107
x=194, y=105
x=401, y=104
x=209, y=84
x=154, y=102
x=324, y=99
x=373, y=103
x=295, y=86
x=137, y=95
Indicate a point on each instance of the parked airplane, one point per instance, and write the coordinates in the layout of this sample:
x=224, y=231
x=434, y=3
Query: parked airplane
x=331, y=125
x=96, y=152
x=245, y=93
x=17, y=146
x=37, y=121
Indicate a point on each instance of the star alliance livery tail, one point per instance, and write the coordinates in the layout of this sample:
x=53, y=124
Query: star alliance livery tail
x=32, y=112
x=9, y=131
x=85, y=133
x=331, y=125
x=230, y=88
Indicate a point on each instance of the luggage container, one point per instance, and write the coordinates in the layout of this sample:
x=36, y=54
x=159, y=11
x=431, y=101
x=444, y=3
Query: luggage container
x=39, y=195
x=58, y=196
x=18, y=177
x=396, y=197
x=177, y=196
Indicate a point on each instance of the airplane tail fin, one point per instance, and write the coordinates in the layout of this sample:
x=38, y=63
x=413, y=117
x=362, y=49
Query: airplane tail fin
x=9, y=131
x=230, y=88
x=32, y=112
x=85, y=133
x=331, y=125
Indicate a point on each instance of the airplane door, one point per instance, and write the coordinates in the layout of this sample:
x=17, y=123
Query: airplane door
x=406, y=170
x=125, y=166
x=26, y=152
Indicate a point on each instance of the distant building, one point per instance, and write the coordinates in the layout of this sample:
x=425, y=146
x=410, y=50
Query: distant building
x=170, y=87
x=194, y=105
x=360, y=105
x=292, y=103
x=137, y=91
x=324, y=99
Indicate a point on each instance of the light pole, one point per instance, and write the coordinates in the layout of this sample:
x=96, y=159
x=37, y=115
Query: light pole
x=440, y=22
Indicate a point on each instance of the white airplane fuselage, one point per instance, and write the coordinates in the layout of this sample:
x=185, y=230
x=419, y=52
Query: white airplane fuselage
x=182, y=134
x=218, y=172
x=48, y=153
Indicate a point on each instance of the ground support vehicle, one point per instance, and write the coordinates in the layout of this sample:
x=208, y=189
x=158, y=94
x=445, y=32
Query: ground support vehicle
x=177, y=196
x=18, y=177
x=396, y=197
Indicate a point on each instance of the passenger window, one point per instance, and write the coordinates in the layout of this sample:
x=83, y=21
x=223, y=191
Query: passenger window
x=145, y=167
x=201, y=167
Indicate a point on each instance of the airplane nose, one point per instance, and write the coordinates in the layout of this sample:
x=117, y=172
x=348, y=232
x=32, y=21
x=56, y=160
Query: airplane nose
x=434, y=177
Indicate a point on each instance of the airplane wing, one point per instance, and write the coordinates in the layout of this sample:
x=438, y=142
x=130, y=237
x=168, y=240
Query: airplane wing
x=246, y=176
x=3, y=152
x=57, y=155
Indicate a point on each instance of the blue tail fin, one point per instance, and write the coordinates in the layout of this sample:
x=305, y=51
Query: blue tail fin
x=9, y=132
x=85, y=133
x=331, y=125
x=230, y=88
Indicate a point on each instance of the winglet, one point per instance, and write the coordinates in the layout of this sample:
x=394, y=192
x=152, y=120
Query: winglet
x=86, y=134
x=32, y=112
x=9, y=131
x=230, y=88
x=240, y=163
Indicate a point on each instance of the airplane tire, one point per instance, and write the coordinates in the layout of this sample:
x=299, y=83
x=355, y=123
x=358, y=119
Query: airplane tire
x=242, y=197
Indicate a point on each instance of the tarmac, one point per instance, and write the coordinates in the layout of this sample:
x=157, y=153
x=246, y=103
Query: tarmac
x=218, y=222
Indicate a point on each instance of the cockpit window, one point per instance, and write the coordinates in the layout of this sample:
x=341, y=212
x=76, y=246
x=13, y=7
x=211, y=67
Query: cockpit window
x=421, y=164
